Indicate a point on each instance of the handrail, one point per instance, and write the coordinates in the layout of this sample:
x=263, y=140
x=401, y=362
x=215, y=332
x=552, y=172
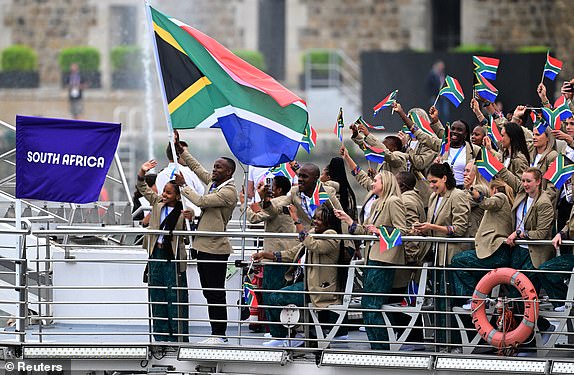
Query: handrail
x=61, y=230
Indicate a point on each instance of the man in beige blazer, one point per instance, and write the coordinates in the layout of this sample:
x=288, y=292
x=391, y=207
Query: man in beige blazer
x=300, y=196
x=217, y=205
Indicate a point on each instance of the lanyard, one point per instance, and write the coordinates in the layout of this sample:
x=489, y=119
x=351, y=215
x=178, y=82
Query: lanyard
x=456, y=155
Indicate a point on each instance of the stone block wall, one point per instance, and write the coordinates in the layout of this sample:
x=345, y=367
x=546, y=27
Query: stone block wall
x=509, y=24
x=48, y=26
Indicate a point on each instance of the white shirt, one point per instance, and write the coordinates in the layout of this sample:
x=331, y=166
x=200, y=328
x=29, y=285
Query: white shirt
x=438, y=202
x=457, y=164
x=521, y=212
x=536, y=160
x=165, y=211
x=257, y=174
x=506, y=162
x=367, y=207
x=168, y=173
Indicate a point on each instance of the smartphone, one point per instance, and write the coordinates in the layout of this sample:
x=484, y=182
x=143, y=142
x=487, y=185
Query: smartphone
x=568, y=86
x=269, y=184
x=286, y=210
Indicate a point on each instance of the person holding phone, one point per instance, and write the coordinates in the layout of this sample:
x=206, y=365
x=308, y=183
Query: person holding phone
x=275, y=222
x=448, y=215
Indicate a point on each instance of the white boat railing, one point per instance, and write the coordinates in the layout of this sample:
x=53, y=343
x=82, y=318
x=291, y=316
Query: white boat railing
x=51, y=315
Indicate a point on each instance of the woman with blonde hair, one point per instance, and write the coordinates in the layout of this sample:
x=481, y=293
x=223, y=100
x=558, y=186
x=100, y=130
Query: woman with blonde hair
x=387, y=210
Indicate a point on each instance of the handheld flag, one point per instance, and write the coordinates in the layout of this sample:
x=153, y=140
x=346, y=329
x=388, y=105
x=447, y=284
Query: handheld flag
x=360, y=120
x=553, y=117
x=207, y=86
x=538, y=122
x=422, y=123
x=63, y=160
x=487, y=164
x=406, y=130
x=552, y=67
x=386, y=102
x=389, y=237
x=283, y=170
x=249, y=296
x=445, y=142
x=562, y=107
x=493, y=131
x=484, y=89
x=339, y=125
x=309, y=139
x=320, y=196
x=559, y=171
x=486, y=66
x=452, y=91
x=374, y=154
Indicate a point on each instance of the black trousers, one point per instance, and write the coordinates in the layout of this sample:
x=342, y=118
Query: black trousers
x=212, y=275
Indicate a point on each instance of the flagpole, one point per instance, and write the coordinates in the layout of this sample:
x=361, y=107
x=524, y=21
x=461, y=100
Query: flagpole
x=393, y=108
x=542, y=79
x=163, y=97
x=438, y=96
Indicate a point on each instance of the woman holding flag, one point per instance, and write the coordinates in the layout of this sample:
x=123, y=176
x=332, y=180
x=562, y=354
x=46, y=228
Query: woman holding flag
x=167, y=280
x=387, y=219
x=304, y=277
x=514, y=155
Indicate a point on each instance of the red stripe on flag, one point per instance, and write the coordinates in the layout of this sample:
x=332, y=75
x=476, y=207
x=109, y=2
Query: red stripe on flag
x=242, y=72
x=554, y=62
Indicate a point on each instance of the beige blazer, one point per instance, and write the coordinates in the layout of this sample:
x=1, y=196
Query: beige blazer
x=317, y=279
x=518, y=162
x=496, y=225
x=538, y=223
x=217, y=207
x=476, y=211
x=421, y=158
x=177, y=242
x=279, y=223
x=415, y=252
x=395, y=161
x=454, y=209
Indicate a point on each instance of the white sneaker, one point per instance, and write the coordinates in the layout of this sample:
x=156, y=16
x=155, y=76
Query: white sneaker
x=341, y=338
x=214, y=340
x=560, y=308
x=467, y=305
x=412, y=348
x=362, y=329
x=275, y=343
x=267, y=334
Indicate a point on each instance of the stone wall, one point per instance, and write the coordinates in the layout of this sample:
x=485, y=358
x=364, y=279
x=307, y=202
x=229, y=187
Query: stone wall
x=357, y=25
x=49, y=26
x=509, y=24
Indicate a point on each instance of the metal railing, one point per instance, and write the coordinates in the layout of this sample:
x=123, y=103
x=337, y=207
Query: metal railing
x=37, y=269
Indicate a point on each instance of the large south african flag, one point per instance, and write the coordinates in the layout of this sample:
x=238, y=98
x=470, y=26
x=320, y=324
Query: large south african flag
x=207, y=86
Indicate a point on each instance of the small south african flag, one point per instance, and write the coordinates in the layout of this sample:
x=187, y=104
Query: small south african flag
x=249, y=296
x=552, y=67
x=389, y=237
x=559, y=171
x=488, y=165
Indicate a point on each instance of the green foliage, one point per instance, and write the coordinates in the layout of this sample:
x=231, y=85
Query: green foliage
x=88, y=58
x=473, y=48
x=532, y=49
x=254, y=58
x=19, y=58
x=322, y=57
x=126, y=58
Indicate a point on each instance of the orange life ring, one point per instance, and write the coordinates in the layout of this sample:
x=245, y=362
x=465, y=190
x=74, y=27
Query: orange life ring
x=484, y=287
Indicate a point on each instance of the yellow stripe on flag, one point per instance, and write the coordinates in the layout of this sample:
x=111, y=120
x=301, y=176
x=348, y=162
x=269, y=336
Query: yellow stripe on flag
x=165, y=35
x=187, y=94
